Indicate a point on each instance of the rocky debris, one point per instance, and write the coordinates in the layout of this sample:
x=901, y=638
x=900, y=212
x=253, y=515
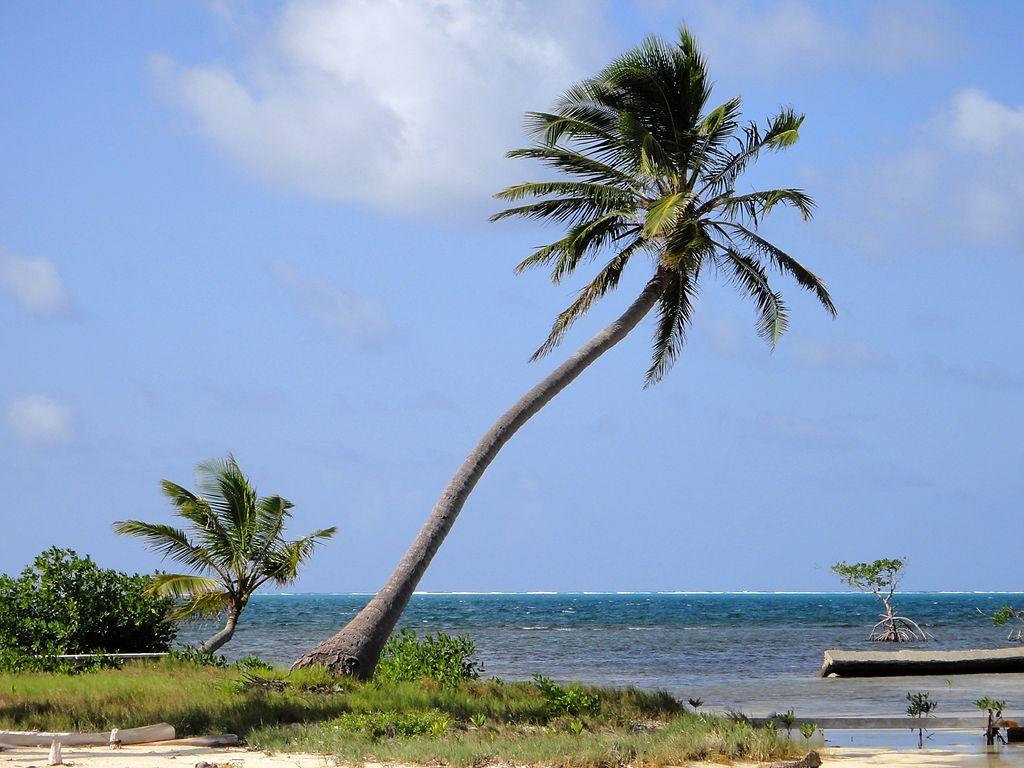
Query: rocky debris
x=811, y=760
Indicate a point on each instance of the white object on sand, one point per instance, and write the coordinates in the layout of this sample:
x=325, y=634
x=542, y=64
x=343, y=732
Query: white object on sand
x=115, y=739
x=158, y=732
x=54, y=758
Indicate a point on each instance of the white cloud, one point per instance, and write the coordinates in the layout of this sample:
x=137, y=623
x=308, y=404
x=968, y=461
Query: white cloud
x=956, y=183
x=39, y=420
x=405, y=105
x=801, y=432
x=767, y=40
x=34, y=284
x=835, y=355
x=981, y=123
x=360, y=321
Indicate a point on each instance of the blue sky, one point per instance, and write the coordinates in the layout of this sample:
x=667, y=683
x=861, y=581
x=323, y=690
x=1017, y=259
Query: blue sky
x=262, y=228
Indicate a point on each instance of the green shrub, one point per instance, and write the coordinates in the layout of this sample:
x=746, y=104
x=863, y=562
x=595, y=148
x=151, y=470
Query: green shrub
x=561, y=701
x=64, y=604
x=445, y=659
x=190, y=654
x=251, y=662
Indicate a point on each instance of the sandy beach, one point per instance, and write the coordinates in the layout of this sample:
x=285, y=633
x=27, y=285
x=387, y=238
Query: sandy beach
x=187, y=757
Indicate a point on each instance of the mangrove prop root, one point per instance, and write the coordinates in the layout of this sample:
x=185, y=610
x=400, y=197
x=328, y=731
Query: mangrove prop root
x=898, y=629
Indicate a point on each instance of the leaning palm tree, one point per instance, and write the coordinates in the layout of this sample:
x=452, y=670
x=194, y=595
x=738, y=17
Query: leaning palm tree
x=235, y=544
x=647, y=168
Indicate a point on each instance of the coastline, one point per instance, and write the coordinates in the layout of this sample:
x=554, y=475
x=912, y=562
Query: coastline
x=238, y=757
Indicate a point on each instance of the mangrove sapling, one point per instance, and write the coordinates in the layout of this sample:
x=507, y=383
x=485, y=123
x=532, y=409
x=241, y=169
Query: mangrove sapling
x=1007, y=614
x=994, y=710
x=881, y=579
x=807, y=730
x=920, y=708
x=787, y=720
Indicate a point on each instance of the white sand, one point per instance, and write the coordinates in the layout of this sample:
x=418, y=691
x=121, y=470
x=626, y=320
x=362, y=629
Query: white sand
x=187, y=757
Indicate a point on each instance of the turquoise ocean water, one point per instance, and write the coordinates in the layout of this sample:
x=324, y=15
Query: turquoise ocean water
x=752, y=652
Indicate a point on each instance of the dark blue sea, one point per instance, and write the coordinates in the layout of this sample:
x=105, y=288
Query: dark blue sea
x=755, y=653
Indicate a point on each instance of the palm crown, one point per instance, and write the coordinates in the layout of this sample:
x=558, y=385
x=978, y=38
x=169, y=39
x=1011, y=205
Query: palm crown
x=235, y=538
x=652, y=169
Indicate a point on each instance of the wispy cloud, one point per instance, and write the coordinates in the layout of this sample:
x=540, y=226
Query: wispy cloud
x=956, y=181
x=766, y=40
x=39, y=420
x=980, y=374
x=360, y=321
x=802, y=432
x=404, y=105
x=837, y=355
x=34, y=284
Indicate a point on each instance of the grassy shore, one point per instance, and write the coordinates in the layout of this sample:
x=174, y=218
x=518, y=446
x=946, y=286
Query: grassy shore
x=311, y=711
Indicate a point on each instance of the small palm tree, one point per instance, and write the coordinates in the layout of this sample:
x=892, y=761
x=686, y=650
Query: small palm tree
x=234, y=544
x=647, y=169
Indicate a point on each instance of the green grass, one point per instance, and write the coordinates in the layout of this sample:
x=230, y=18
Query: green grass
x=683, y=738
x=310, y=711
x=195, y=700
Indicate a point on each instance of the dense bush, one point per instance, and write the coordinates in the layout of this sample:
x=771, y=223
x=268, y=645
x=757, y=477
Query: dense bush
x=445, y=659
x=64, y=603
x=561, y=701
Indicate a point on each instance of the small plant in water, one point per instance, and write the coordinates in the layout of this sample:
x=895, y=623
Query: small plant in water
x=1007, y=614
x=787, y=720
x=994, y=710
x=920, y=707
x=695, y=703
x=807, y=730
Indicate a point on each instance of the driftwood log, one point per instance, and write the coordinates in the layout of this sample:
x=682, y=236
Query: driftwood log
x=158, y=732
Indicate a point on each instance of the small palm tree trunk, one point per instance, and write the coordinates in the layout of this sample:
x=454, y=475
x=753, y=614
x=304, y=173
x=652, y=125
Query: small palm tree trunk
x=356, y=649
x=226, y=633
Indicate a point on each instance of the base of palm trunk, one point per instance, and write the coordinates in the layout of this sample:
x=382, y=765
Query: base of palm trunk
x=347, y=653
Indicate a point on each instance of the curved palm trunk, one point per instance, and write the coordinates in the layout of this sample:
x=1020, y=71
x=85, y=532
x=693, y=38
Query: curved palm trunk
x=225, y=634
x=356, y=649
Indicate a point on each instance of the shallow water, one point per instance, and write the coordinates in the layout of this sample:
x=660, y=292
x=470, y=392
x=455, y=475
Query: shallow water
x=941, y=748
x=752, y=652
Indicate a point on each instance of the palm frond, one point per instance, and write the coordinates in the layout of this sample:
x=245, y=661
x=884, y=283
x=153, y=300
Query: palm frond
x=168, y=541
x=783, y=262
x=756, y=205
x=607, y=279
x=605, y=192
x=204, y=604
x=577, y=164
x=282, y=563
x=183, y=585
x=664, y=213
x=773, y=318
x=783, y=130
x=675, y=310
x=232, y=499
